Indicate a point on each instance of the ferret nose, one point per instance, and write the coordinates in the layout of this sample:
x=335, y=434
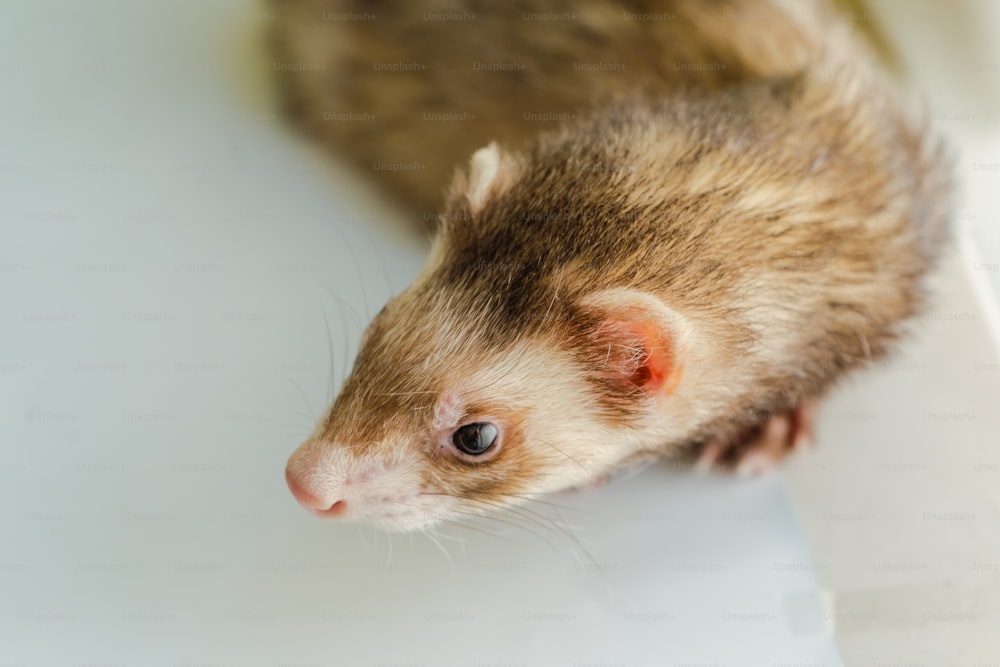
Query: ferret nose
x=317, y=503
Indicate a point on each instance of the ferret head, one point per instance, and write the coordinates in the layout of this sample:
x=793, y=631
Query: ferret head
x=489, y=382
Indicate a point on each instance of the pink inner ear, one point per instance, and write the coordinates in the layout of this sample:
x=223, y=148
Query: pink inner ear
x=654, y=369
x=632, y=341
x=639, y=353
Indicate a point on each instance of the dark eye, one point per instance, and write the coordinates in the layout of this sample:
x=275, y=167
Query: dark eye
x=475, y=439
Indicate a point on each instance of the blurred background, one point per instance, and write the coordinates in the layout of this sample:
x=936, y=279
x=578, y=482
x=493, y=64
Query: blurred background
x=183, y=282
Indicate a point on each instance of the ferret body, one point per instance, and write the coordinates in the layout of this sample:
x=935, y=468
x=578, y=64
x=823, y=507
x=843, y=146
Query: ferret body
x=734, y=209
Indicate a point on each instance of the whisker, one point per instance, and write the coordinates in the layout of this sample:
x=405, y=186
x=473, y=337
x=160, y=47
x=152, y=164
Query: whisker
x=309, y=420
x=482, y=530
x=532, y=499
x=364, y=542
x=345, y=335
x=295, y=436
x=357, y=267
x=521, y=513
x=492, y=516
x=559, y=528
x=385, y=270
x=430, y=535
x=449, y=517
x=549, y=444
x=302, y=393
x=483, y=388
x=331, y=381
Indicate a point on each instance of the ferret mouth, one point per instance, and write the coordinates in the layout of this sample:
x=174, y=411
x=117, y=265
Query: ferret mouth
x=404, y=523
x=400, y=519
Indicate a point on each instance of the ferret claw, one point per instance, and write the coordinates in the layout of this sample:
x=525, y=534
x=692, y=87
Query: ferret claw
x=709, y=456
x=760, y=449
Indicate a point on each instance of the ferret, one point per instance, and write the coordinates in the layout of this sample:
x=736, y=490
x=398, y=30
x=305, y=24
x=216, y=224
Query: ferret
x=681, y=223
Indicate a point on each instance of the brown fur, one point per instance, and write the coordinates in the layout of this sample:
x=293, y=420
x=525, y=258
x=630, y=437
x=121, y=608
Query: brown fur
x=775, y=215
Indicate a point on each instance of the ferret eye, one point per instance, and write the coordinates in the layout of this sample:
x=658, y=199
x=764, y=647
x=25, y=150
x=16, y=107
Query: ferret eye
x=475, y=439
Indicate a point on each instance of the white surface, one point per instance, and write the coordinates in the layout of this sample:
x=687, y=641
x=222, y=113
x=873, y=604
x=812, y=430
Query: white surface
x=951, y=51
x=171, y=259
x=901, y=501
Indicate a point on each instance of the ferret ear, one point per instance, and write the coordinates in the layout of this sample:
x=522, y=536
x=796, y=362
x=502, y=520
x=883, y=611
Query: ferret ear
x=632, y=341
x=491, y=172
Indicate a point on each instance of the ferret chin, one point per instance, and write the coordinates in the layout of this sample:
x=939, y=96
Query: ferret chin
x=683, y=263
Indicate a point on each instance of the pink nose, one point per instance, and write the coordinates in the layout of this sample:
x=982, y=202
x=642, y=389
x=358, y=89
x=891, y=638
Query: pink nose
x=312, y=501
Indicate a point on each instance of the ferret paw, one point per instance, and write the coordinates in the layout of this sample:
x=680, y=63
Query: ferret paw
x=590, y=484
x=760, y=448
